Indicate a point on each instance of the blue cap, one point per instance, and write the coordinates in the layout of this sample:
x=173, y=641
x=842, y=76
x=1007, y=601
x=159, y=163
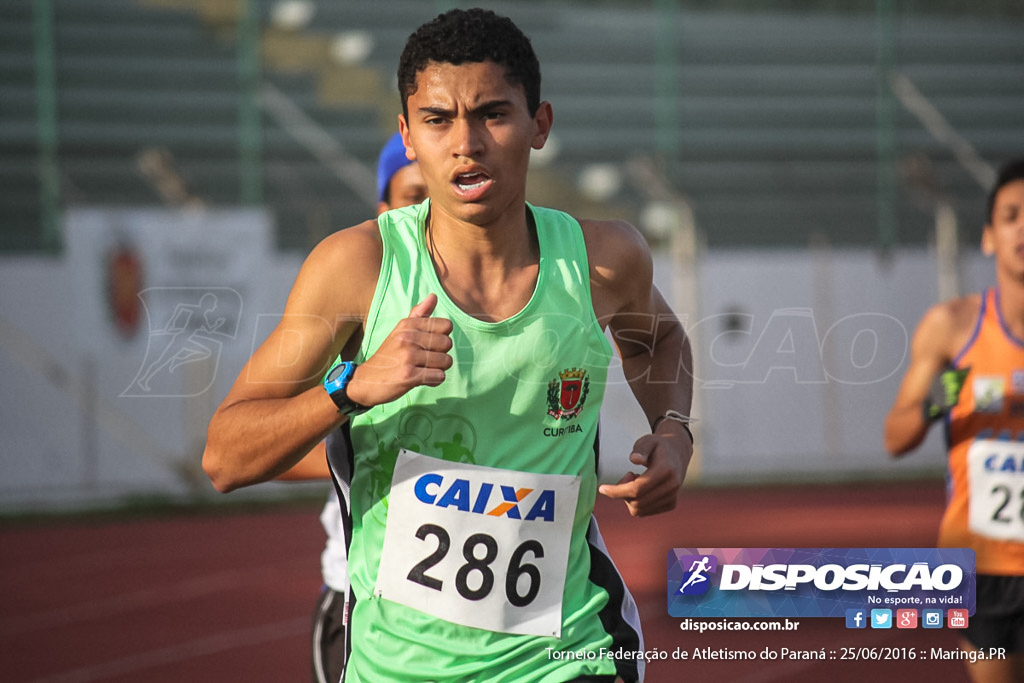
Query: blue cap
x=392, y=160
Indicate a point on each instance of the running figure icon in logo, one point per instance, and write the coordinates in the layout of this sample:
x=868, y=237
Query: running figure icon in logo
x=696, y=582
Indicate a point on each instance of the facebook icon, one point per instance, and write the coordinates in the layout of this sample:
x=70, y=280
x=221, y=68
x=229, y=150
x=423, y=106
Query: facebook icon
x=856, y=618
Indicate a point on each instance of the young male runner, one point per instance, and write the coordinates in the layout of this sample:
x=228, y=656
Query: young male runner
x=399, y=183
x=476, y=327
x=967, y=369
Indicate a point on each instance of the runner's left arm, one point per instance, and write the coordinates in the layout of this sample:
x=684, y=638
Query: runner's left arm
x=657, y=361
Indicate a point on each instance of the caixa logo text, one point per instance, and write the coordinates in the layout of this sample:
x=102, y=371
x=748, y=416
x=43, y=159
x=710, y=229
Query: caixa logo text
x=483, y=498
x=830, y=577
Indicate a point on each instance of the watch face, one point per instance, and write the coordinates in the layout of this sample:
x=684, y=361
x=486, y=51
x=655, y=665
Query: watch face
x=337, y=372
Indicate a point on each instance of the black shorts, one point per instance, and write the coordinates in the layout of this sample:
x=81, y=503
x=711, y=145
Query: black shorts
x=329, y=648
x=998, y=621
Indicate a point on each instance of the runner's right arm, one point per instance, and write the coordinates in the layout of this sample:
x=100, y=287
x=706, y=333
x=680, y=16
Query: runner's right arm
x=906, y=425
x=312, y=466
x=277, y=410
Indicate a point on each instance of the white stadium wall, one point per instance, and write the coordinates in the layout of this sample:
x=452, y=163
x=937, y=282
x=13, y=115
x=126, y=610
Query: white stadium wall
x=798, y=357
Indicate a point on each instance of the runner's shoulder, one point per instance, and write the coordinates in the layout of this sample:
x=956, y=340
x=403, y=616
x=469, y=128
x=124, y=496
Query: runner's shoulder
x=951, y=323
x=352, y=244
x=340, y=274
x=354, y=252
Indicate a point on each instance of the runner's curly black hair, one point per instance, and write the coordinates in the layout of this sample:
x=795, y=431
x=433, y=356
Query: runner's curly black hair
x=468, y=36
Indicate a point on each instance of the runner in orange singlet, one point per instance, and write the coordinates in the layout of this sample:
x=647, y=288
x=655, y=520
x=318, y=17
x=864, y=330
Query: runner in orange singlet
x=967, y=369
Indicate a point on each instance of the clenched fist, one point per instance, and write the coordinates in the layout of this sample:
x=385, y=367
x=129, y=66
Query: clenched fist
x=414, y=354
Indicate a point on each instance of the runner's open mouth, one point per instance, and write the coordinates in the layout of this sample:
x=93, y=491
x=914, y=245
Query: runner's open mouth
x=471, y=181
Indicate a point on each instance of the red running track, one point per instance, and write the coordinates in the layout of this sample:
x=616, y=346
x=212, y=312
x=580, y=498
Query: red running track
x=228, y=597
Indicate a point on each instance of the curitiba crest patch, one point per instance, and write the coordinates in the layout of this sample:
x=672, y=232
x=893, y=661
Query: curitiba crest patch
x=568, y=393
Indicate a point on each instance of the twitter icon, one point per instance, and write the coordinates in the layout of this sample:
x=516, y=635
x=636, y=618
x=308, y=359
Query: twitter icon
x=881, y=618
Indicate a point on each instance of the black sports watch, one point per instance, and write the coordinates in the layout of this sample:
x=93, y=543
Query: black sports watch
x=336, y=384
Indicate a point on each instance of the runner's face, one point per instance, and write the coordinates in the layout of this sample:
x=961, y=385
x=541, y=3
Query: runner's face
x=1004, y=235
x=471, y=132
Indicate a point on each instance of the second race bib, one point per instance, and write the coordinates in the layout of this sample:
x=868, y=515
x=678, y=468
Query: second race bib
x=996, y=489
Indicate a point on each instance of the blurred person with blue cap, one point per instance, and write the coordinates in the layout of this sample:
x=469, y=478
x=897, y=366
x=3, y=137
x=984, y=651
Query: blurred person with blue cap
x=399, y=181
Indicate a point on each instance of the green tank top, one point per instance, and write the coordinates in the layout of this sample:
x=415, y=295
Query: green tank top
x=523, y=395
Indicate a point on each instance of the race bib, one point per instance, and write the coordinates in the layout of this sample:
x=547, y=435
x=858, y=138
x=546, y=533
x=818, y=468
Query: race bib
x=995, y=476
x=478, y=546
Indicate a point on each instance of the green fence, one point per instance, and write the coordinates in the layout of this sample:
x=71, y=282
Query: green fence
x=779, y=122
